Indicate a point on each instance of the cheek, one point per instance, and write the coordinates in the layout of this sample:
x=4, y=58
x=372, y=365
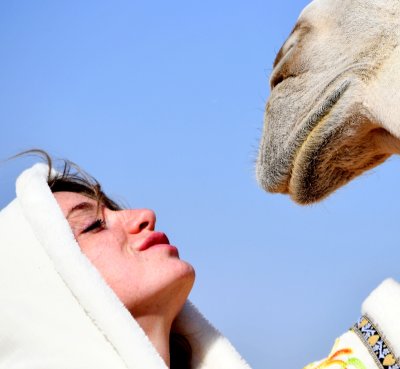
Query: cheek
x=100, y=246
x=105, y=251
x=122, y=272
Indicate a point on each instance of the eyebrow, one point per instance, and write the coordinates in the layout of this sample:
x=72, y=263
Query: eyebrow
x=82, y=206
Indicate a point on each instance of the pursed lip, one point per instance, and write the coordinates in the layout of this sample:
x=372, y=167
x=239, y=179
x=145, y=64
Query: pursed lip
x=155, y=238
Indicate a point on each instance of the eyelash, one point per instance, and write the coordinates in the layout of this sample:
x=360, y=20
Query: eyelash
x=97, y=225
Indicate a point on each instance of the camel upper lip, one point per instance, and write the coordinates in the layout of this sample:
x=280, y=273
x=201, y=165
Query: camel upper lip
x=314, y=120
x=155, y=238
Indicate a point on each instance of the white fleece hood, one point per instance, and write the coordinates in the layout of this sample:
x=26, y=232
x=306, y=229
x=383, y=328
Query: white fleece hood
x=56, y=311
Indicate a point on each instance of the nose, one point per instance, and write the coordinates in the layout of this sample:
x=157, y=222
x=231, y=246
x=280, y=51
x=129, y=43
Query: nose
x=138, y=220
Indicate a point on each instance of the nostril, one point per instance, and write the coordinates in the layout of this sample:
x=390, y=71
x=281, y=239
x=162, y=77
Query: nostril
x=277, y=80
x=143, y=225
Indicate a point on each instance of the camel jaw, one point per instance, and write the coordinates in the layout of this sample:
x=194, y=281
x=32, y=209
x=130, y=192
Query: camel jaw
x=321, y=152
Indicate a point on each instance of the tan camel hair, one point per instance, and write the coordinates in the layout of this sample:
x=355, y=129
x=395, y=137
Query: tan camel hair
x=334, y=108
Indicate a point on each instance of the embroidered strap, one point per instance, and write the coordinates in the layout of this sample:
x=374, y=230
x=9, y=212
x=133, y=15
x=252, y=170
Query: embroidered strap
x=379, y=349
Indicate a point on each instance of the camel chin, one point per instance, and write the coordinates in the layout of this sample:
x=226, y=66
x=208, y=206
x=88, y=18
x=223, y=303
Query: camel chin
x=335, y=87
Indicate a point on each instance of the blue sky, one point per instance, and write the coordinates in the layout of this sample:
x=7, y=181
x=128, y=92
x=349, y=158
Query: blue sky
x=163, y=103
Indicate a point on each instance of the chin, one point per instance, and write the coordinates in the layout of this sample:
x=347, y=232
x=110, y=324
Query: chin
x=183, y=277
x=188, y=272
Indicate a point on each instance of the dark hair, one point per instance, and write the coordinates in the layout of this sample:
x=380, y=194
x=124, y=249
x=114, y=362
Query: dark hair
x=71, y=178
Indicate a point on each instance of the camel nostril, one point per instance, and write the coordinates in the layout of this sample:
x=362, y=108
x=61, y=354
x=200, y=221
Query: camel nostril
x=277, y=80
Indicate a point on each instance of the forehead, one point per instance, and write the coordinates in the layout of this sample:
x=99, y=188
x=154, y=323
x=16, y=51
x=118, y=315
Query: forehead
x=68, y=200
x=351, y=11
x=340, y=32
x=325, y=7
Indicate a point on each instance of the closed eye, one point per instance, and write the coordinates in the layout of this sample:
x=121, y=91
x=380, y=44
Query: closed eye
x=97, y=225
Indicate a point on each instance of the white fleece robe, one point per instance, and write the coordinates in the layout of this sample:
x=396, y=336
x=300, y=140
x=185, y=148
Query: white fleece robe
x=374, y=341
x=56, y=311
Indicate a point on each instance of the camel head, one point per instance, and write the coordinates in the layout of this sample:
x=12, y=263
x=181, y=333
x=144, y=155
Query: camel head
x=334, y=108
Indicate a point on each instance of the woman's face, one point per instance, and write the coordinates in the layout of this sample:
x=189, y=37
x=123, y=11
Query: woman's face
x=137, y=262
